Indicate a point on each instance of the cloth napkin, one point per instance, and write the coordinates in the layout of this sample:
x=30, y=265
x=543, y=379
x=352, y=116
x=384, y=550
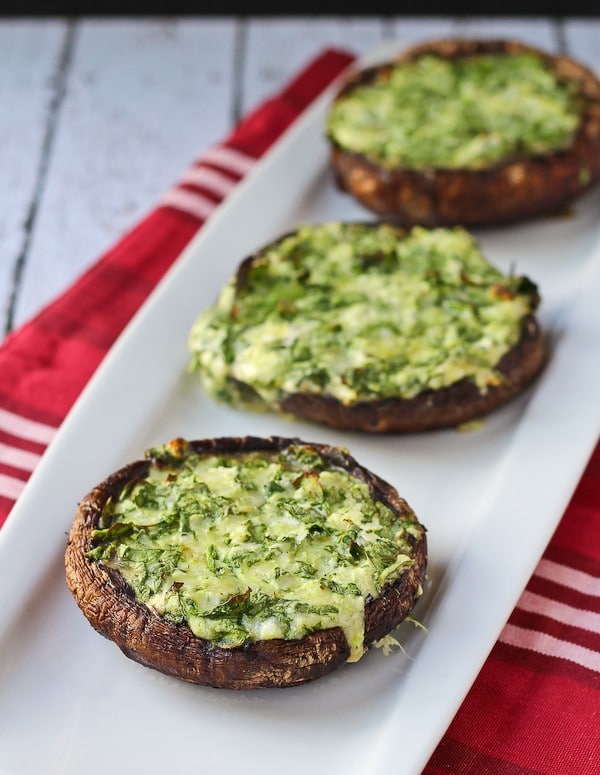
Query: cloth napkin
x=535, y=707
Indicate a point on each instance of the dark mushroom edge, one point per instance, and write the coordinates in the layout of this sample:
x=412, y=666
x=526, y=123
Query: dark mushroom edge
x=111, y=607
x=519, y=187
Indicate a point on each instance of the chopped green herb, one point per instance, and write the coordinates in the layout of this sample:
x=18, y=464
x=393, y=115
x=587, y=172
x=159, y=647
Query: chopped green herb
x=383, y=314
x=469, y=112
x=254, y=546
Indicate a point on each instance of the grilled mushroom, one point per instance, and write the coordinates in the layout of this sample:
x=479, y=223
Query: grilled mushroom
x=244, y=563
x=370, y=327
x=470, y=132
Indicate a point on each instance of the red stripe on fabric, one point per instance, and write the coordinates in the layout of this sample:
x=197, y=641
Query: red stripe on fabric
x=16, y=404
x=516, y=711
x=276, y=115
x=545, y=624
x=569, y=575
x=564, y=594
x=572, y=558
x=18, y=426
x=543, y=664
x=146, y=251
x=540, y=711
x=454, y=757
x=571, y=615
x=11, y=486
x=194, y=221
x=6, y=505
x=231, y=161
x=113, y=287
x=46, y=363
x=9, y=476
x=209, y=180
x=548, y=723
x=211, y=199
x=7, y=472
x=20, y=443
x=579, y=532
x=15, y=458
x=206, y=193
x=189, y=201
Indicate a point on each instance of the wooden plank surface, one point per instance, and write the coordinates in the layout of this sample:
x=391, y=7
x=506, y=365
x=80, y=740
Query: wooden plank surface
x=537, y=32
x=276, y=48
x=30, y=61
x=101, y=116
x=582, y=38
x=142, y=100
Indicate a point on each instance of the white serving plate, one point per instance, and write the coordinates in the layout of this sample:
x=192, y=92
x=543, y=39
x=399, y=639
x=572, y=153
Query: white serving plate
x=71, y=703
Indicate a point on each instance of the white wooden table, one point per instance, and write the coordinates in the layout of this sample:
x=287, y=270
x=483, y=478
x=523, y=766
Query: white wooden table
x=100, y=117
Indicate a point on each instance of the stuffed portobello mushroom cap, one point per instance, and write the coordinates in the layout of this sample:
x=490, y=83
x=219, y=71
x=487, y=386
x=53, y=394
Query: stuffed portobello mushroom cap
x=370, y=327
x=245, y=563
x=469, y=132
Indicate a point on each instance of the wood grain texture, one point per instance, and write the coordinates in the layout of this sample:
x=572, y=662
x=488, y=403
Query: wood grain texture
x=142, y=100
x=276, y=48
x=29, y=60
x=144, y=97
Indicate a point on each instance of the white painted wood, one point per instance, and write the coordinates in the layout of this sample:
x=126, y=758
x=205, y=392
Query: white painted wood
x=536, y=31
x=29, y=56
x=409, y=31
x=583, y=42
x=144, y=98
x=277, y=48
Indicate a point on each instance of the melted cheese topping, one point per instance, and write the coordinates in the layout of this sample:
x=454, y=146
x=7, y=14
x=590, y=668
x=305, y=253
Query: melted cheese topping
x=467, y=113
x=254, y=546
x=360, y=313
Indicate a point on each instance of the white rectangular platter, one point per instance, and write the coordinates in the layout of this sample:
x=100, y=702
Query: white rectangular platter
x=71, y=703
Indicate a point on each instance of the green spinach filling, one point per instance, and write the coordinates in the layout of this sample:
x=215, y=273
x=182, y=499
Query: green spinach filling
x=469, y=113
x=254, y=545
x=360, y=313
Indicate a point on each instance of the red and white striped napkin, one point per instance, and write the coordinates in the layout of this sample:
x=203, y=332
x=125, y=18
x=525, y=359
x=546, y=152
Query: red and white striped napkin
x=535, y=707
